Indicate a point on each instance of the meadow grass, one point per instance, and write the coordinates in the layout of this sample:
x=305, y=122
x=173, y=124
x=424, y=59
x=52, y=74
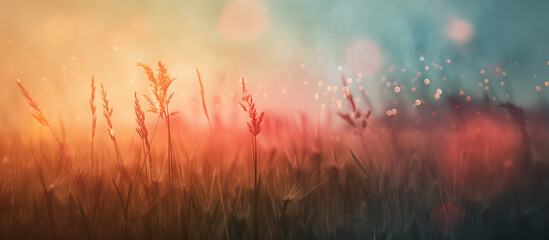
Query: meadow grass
x=475, y=171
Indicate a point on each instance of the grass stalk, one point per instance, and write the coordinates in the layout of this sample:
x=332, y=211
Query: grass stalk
x=41, y=118
x=93, y=109
x=107, y=113
x=254, y=127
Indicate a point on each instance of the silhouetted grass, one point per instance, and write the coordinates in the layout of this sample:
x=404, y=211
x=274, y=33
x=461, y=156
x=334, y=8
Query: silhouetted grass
x=417, y=176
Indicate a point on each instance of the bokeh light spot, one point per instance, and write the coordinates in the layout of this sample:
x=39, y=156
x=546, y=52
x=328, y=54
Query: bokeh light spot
x=459, y=30
x=364, y=57
x=243, y=20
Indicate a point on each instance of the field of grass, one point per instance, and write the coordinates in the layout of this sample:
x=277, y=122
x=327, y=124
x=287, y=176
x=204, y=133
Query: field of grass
x=458, y=169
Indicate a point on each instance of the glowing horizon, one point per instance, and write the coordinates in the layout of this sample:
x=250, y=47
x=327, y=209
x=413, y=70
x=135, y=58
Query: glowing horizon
x=284, y=57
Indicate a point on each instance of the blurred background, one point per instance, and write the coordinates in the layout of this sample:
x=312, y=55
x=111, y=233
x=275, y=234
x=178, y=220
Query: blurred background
x=291, y=53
